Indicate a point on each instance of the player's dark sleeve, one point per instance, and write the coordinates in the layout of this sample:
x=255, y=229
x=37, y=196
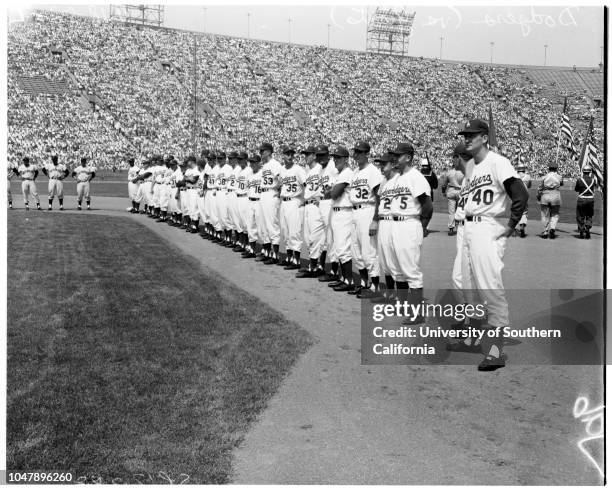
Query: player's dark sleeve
x=45, y=171
x=93, y=174
x=375, y=190
x=519, y=196
x=433, y=180
x=338, y=189
x=35, y=173
x=426, y=208
x=577, y=187
x=66, y=172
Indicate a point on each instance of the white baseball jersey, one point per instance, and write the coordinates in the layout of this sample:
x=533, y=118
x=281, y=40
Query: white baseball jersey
x=232, y=179
x=133, y=172
x=269, y=171
x=56, y=171
x=190, y=174
x=242, y=179
x=177, y=176
x=144, y=170
x=552, y=181
x=363, y=183
x=345, y=176
x=254, y=184
x=223, y=176
x=158, y=173
x=486, y=195
x=83, y=173
x=212, y=176
x=167, y=178
x=386, y=193
x=312, y=188
x=407, y=188
x=27, y=172
x=329, y=175
x=292, y=181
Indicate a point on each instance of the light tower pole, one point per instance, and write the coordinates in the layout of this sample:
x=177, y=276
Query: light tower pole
x=289, y=22
x=545, y=50
x=441, y=40
x=492, y=46
x=249, y=25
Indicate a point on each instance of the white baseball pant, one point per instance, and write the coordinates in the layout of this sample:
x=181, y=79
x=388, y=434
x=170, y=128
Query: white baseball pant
x=251, y=220
x=56, y=188
x=83, y=190
x=482, y=264
x=232, y=211
x=325, y=207
x=28, y=188
x=269, y=204
x=405, y=254
x=192, y=203
x=157, y=187
x=452, y=195
x=173, y=204
x=244, y=208
x=314, y=230
x=385, y=245
x=221, y=210
x=201, y=203
x=291, y=221
x=363, y=245
x=456, y=275
x=341, y=224
x=164, y=196
x=133, y=191
x=184, y=203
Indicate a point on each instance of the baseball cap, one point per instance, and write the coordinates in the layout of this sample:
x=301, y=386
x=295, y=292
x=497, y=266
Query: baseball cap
x=321, y=150
x=475, y=126
x=403, y=148
x=362, y=146
x=287, y=149
x=26, y=159
x=586, y=168
x=232, y=155
x=254, y=158
x=266, y=146
x=191, y=158
x=553, y=165
x=242, y=155
x=309, y=149
x=212, y=156
x=221, y=156
x=383, y=158
x=340, y=151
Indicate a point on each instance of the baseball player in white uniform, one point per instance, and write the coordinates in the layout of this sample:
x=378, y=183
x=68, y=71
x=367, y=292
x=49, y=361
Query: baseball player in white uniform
x=56, y=173
x=11, y=173
x=28, y=173
x=183, y=199
x=201, y=198
x=342, y=219
x=174, y=205
x=140, y=179
x=222, y=224
x=165, y=188
x=191, y=177
x=526, y=178
x=210, y=198
x=133, y=185
x=387, y=189
x=328, y=178
x=411, y=209
x=492, y=188
x=549, y=197
x=233, y=220
x=451, y=185
x=159, y=169
x=269, y=204
x=364, y=197
x=84, y=174
x=242, y=175
x=146, y=188
x=254, y=225
x=292, y=178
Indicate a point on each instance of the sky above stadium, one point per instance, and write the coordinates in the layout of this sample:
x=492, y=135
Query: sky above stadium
x=573, y=35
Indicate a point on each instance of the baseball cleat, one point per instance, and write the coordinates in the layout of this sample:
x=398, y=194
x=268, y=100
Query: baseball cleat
x=261, y=258
x=355, y=291
x=88, y=207
x=344, y=288
x=10, y=206
x=249, y=255
x=79, y=208
x=544, y=235
x=587, y=235
x=336, y=283
x=491, y=363
x=61, y=208
x=551, y=233
x=581, y=235
x=50, y=208
x=38, y=207
x=290, y=267
x=237, y=248
x=305, y=274
x=271, y=260
x=327, y=277
x=523, y=234
x=369, y=294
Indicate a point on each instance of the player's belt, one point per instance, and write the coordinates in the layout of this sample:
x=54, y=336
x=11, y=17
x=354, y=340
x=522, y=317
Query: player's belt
x=454, y=187
x=311, y=202
x=27, y=179
x=241, y=196
x=385, y=217
x=182, y=189
x=403, y=219
x=473, y=219
x=340, y=208
x=288, y=199
x=253, y=199
x=364, y=205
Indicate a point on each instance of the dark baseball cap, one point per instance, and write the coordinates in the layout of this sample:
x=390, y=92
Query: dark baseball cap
x=232, y=155
x=221, y=156
x=309, y=149
x=205, y=153
x=322, y=150
x=460, y=150
x=254, y=158
x=340, y=151
x=191, y=158
x=475, y=126
x=26, y=159
x=384, y=158
x=362, y=146
x=287, y=149
x=403, y=148
x=266, y=146
x=212, y=156
x=242, y=156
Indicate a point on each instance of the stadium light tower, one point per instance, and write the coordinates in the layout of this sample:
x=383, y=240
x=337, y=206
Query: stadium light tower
x=249, y=25
x=388, y=31
x=204, y=8
x=328, y=28
x=441, y=40
x=545, y=49
x=146, y=15
x=492, y=46
x=289, y=23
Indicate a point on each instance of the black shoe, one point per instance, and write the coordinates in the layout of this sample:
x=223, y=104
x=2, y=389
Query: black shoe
x=551, y=233
x=305, y=274
x=464, y=348
x=367, y=293
x=271, y=260
x=249, y=255
x=355, y=291
x=291, y=267
x=491, y=363
x=544, y=235
x=318, y=273
x=587, y=235
x=283, y=263
x=344, y=288
x=327, y=277
x=237, y=248
x=261, y=258
x=451, y=232
x=523, y=234
x=334, y=284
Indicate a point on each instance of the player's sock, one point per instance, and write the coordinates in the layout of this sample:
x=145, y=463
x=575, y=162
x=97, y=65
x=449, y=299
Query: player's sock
x=275, y=247
x=88, y=203
x=289, y=258
x=50, y=202
x=363, y=274
x=347, y=272
x=266, y=249
x=390, y=282
x=296, y=257
x=494, y=351
x=322, y=259
x=79, y=204
x=402, y=291
x=376, y=283
x=334, y=267
x=313, y=264
x=61, y=202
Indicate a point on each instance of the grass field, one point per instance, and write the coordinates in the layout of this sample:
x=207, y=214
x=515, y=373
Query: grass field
x=126, y=363
x=106, y=188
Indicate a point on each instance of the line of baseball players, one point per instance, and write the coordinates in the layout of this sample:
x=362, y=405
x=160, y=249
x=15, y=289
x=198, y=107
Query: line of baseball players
x=56, y=173
x=371, y=216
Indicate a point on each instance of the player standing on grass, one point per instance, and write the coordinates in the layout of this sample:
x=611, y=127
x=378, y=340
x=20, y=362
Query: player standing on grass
x=28, y=174
x=292, y=178
x=254, y=222
x=549, y=197
x=451, y=184
x=329, y=175
x=192, y=174
x=83, y=174
x=133, y=185
x=269, y=204
x=364, y=199
x=492, y=188
x=56, y=173
x=243, y=173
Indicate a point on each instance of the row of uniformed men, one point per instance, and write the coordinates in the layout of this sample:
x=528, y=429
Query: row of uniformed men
x=328, y=206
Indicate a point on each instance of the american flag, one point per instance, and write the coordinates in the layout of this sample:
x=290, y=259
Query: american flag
x=589, y=156
x=567, y=133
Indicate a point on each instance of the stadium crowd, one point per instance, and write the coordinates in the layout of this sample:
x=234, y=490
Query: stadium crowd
x=253, y=90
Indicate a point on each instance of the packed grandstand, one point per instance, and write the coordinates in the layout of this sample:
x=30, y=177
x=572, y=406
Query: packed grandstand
x=85, y=86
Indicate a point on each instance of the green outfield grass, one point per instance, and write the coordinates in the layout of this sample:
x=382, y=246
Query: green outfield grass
x=101, y=188
x=126, y=363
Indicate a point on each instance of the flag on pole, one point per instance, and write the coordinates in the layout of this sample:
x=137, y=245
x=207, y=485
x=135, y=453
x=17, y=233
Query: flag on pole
x=567, y=133
x=492, y=135
x=589, y=156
